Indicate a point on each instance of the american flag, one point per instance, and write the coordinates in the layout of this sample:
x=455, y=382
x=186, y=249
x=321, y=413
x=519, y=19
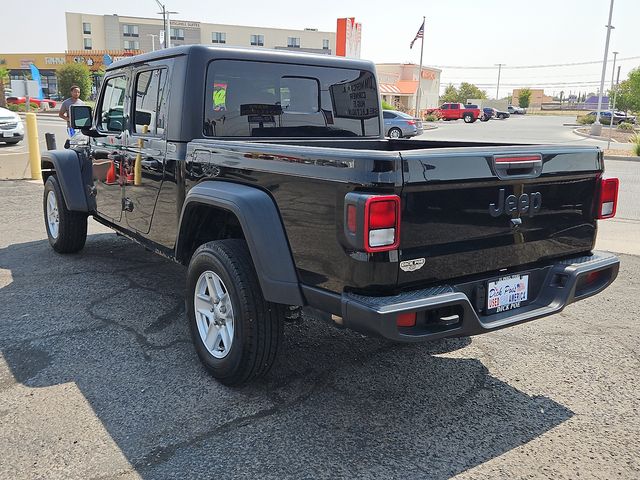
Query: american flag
x=420, y=34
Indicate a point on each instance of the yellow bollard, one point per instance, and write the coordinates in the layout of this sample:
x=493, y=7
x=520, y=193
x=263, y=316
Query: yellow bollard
x=34, y=146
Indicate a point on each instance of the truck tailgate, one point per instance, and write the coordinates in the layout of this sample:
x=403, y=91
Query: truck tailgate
x=483, y=210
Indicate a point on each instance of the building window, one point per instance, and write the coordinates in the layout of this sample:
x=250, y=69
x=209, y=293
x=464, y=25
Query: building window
x=177, y=34
x=257, y=40
x=325, y=44
x=130, y=30
x=86, y=28
x=218, y=37
x=293, y=42
x=87, y=44
x=131, y=45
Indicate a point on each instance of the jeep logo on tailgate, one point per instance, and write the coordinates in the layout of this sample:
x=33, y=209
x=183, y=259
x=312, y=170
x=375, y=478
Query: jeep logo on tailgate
x=524, y=204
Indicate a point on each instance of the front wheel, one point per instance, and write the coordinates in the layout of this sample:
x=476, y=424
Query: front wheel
x=468, y=119
x=235, y=331
x=66, y=230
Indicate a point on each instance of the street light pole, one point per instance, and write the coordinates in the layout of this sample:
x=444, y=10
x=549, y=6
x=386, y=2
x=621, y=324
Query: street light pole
x=167, y=24
x=615, y=94
x=499, y=65
x=596, y=128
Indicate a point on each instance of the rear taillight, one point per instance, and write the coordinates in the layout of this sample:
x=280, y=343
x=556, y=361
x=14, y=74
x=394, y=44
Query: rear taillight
x=607, y=198
x=411, y=122
x=382, y=223
x=372, y=222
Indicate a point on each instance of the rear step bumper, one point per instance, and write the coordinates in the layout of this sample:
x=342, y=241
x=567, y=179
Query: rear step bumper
x=458, y=309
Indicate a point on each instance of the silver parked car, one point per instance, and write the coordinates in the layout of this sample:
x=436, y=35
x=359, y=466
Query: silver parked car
x=11, y=127
x=401, y=125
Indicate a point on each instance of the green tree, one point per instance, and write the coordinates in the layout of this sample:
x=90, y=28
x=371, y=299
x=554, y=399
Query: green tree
x=629, y=92
x=4, y=78
x=450, y=94
x=524, y=98
x=74, y=74
x=468, y=91
x=386, y=106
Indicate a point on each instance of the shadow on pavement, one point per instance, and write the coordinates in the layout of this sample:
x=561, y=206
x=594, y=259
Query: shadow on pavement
x=111, y=321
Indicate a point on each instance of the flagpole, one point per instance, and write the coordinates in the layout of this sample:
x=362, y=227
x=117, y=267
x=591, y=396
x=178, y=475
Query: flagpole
x=417, y=115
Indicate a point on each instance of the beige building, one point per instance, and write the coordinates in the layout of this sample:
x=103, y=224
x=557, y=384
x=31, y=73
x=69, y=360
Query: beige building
x=537, y=98
x=398, y=83
x=114, y=32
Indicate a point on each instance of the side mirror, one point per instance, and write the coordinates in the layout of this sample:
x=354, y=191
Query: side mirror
x=80, y=116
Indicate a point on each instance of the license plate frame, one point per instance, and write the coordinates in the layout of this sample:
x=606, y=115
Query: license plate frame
x=507, y=293
x=7, y=134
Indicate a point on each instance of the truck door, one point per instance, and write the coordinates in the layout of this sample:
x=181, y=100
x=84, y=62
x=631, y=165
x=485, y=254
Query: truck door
x=107, y=151
x=146, y=147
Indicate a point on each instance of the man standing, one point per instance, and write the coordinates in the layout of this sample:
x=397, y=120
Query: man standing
x=64, y=108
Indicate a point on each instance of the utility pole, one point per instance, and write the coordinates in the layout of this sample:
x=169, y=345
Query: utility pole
x=596, y=128
x=499, y=65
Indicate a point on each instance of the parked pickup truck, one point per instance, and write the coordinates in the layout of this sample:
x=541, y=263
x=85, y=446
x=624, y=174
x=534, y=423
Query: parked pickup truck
x=266, y=173
x=456, y=111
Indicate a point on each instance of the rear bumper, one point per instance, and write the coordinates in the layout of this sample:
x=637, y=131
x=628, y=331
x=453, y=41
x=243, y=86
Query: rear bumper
x=554, y=286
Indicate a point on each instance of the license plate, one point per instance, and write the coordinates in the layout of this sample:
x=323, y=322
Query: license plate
x=507, y=293
x=7, y=134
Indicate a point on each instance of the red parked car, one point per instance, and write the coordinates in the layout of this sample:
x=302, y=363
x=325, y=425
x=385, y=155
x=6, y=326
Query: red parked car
x=457, y=111
x=37, y=101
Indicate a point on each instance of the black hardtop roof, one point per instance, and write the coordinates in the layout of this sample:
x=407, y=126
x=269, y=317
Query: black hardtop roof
x=256, y=54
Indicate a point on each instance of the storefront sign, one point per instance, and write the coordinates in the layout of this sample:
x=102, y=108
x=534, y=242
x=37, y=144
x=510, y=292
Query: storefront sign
x=178, y=23
x=428, y=75
x=54, y=61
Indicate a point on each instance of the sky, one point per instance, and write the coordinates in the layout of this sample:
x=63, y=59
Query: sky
x=458, y=33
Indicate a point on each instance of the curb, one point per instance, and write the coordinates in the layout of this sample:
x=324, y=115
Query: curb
x=586, y=135
x=622, y=158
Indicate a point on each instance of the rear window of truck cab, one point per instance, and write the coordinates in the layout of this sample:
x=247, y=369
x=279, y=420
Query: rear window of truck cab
x=259, y=99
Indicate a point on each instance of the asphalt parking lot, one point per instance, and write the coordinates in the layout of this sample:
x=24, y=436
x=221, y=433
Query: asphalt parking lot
x=98, y=379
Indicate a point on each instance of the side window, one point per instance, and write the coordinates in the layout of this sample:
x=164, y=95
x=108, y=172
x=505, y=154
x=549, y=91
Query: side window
x=148, y=112
x=445, y=107
x=111, y=112
x=388, y=115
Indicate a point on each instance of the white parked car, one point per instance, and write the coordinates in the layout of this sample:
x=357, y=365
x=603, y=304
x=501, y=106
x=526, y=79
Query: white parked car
x=11, y=127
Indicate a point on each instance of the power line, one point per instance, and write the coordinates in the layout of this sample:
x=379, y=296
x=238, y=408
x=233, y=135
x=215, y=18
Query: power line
x=516, y=67
x=537, y=84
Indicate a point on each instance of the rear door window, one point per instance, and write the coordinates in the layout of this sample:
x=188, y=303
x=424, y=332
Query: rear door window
x=257, y=99
x=149, y=117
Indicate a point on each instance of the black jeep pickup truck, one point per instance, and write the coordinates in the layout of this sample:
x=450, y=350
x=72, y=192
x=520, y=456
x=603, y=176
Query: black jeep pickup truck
x=267, y=174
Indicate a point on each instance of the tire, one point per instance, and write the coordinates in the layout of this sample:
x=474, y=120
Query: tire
x=468, y=118
x=248, y=349
x=66, y=230
x=395, y=133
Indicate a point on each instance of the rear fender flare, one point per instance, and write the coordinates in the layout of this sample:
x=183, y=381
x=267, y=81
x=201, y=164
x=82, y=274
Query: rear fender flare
x=264, y=232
